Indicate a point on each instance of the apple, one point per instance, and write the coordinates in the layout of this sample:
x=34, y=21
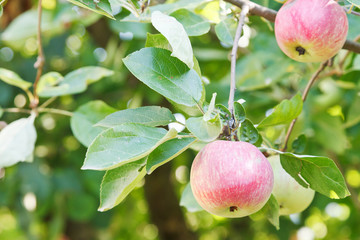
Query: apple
x=291, y=196
x=311, y=30
x=231, y=179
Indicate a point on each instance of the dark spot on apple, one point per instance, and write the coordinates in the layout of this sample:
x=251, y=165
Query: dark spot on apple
x=300, y=50
x=233, y=208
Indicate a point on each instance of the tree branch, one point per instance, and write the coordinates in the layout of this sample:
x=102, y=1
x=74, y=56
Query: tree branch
x=244, y=12
x=270, y=15
x=39, y=64
x=304, y=96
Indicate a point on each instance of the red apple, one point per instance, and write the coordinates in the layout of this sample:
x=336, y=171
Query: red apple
x=311, y=30
x=231, y=179
x=290, y=195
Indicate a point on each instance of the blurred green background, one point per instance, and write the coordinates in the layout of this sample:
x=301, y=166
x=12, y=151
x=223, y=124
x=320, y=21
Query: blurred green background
x=52, y=198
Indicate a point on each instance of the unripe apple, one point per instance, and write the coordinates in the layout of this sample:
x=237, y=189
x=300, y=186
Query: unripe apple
x=311, y=30
x=291, y=196
x=231, y=179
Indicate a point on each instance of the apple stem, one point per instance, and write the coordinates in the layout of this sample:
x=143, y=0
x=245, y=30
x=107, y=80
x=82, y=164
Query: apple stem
x=300, y=50
x=304, y=96
x=244, y=12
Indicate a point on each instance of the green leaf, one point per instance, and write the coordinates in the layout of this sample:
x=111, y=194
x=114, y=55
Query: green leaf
x=166, y=75
x=248, y=133
x=206, y=131
x=119, y=182
x=158, y=41
x=299, y=144
x=353, y=115
x=176, y=35
x=224, y=112
x=151, y=116
x=270, y=211
x=1, y=111
x=188, y=200
x=103, y=7
x=167, y=151
x=12, y=78
x=1, y=10
x=84, y=118
x=122, y=144
x=239, y=112
x=53, y=84
x=284, y=113
x=210, y=113
x=193, y=24
x=17, y=142
x=225, y=31
x=320, y=173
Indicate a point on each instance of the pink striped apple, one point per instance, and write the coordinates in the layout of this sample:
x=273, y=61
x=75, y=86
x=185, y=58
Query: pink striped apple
x=231, y=179
x=311, y=30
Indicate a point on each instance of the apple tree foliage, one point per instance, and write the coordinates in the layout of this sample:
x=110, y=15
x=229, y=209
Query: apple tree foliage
x=173, y=62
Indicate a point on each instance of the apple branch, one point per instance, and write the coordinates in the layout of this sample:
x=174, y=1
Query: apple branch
x=244, y=12
x=304, y=96
x=270, y=15
x=39, y=64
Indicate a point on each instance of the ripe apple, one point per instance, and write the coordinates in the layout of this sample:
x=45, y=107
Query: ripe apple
x=291, y=196
x=311, y=30
x=231, y=179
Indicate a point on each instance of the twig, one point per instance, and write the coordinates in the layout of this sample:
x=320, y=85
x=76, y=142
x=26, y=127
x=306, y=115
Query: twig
x=39, y=64
x=48, y=102
x=304, y=96
x=55, y=111
x=17, y=110
x=244, y=12
x=342, y=62
x=270, y=15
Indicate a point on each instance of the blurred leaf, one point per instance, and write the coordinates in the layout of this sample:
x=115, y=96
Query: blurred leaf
x=1, y=11
x=175, y=33
x=329, y=132
x=119, y=182
x=354, y=2
x=139, y=30
x=299, y=144
x=188, y=200
x=123, y=144
x=81, y=207
x=284, y=112
x=225, y=31
x=166, y=75
x=248, y=133
x=239, y=112
x=53, y=84
x=353, y=115
x=102, y=7
x=167, y=151
x=270, y=211
x=206, y=131
x=84, y=118
x=320, y=173
x=151, y=116
x=17, y=142
x=165, y=8
x=193, y=24
x=13, y=79
x=1, y=111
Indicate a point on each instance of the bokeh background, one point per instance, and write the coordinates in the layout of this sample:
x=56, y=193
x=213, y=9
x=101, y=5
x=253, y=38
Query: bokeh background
x=52, y=198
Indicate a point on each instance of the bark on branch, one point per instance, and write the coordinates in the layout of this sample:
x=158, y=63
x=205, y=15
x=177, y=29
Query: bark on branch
x=270, y=14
